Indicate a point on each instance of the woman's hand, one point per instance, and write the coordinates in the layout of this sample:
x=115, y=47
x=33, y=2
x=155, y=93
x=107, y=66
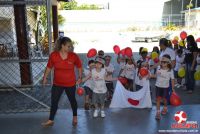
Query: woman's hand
x=78, y=82
x=44, y=81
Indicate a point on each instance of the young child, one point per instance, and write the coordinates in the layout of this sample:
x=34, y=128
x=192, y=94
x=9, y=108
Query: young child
x=122, y=62
x=98, y=76
x=151, y=61
x=129, y=73
x=88, y=84
x=163, y=76
x=109, y=73
x=139, y=81
x=198, y=60
x=143, y=54
x=179, y=63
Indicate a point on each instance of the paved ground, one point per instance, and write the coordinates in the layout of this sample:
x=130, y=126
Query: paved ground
x=117, y=121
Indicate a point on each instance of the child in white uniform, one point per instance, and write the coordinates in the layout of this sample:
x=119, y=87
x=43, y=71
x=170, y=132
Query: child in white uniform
x=139, y=81
x=129, y=73
x=88, y=84
x=98, y=76
x=122, y=62
x=109, y=73
x=163, y=76
x=180, y=57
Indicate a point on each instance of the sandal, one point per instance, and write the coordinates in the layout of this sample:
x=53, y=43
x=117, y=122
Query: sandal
x=164, y=111
x=49, y=123
x=157, y=116
x=74, y=122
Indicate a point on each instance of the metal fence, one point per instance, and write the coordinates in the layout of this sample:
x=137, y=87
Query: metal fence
x=23, y=55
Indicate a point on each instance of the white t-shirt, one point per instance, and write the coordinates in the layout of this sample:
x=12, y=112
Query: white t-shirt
x=122, y=65
x=139, y=81
x=109, y=68
x=179, y=62
x=198, y=62
x=88, y=83
x=99, y=81
x=163, y=77
x=129, y=71
x=168, y=51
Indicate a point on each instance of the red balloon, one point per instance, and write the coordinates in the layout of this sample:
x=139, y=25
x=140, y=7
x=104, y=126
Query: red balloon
x=156, y=60
x=143, y=71
x=116, y=49
x=133, y=102
x=198, y=39
x=175, y=100
x=122, y=52
x=128, y=52
x=175, y=42
x=80, y=91
x=91, y=53
x=183, y=35
x=123, y=80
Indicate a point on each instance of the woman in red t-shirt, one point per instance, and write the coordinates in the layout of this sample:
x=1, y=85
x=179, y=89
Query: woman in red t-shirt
x=63, y=62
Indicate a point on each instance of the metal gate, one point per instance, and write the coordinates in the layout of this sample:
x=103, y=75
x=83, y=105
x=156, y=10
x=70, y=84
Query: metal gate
x=25, y=44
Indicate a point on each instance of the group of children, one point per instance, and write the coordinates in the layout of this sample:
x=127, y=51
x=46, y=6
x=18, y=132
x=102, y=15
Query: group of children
x=99, y=77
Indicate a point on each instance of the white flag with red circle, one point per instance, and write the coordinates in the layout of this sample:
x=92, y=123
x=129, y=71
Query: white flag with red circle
x=122, y=98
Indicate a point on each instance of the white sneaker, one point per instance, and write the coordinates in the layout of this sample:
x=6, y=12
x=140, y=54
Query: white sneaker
x=95, y=113
x=103, y=114
x=178, y=86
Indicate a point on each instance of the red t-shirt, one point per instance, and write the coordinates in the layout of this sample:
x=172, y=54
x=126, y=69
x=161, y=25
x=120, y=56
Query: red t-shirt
x=64, y=70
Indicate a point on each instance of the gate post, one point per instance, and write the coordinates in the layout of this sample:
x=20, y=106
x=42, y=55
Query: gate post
x=22, y=44
x=55, y=19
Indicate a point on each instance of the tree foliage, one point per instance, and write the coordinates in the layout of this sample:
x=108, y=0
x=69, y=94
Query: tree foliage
x=73, y=5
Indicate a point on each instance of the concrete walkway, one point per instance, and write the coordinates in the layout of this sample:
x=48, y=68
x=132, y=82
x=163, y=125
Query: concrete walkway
x=117, y=121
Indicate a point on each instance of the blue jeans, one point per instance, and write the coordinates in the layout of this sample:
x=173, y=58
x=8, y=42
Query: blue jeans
x=190, y=82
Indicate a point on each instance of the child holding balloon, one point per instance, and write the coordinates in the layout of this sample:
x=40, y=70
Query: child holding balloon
x=98, y=76
x=129, y=72
x=163, y=76
x=121, y=60
x=179, y=65
x=88, y=84
x=139, y=79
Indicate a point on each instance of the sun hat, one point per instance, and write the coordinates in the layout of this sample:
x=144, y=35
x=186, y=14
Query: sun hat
x=100, y=60
x=165, y=59
x=144, y=50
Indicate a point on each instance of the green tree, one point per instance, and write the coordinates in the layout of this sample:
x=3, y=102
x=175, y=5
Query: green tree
x=43, y=18
x=73, y=5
